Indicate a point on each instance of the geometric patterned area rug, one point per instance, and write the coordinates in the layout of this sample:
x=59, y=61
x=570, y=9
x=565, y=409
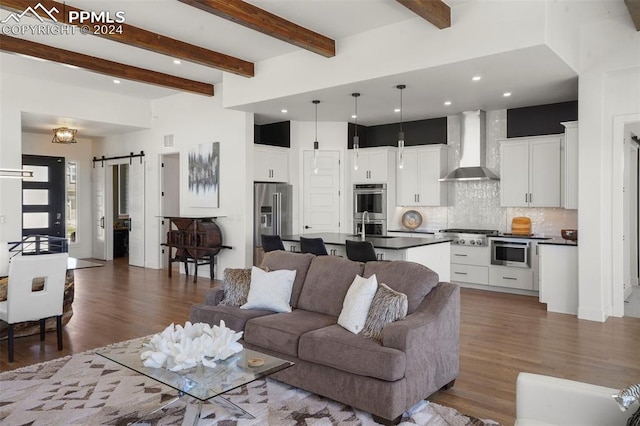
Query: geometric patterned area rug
x=87, y=389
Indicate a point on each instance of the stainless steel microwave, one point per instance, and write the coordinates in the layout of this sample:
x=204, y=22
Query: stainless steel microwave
x=371, y=198
x=511, y=253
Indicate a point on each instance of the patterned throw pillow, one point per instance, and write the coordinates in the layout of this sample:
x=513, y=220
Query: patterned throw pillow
x=388, y=306
x=236, y=286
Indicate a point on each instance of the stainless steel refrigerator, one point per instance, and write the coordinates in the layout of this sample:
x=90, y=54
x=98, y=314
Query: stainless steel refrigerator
x=272, y=210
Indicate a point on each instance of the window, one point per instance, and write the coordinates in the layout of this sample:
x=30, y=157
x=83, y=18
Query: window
x=72, y=201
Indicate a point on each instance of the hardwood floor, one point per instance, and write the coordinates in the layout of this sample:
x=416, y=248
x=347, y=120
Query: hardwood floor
x=500, y=335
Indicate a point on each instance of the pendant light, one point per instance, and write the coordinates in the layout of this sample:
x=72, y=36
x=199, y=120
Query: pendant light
x=356, y=139
x=316, y=145
x=401, y=132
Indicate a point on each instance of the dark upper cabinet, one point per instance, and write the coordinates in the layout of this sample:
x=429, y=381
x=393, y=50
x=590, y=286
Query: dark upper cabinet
x=419, y=132
x=541, y=119
x=274, y=134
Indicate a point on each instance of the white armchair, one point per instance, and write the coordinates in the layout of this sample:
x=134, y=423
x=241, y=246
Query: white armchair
x=25, y=304
x=546, y=401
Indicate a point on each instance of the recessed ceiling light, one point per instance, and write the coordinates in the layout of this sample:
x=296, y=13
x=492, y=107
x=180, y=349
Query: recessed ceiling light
x=447, y=103
x=177, y=61
x=354, y=116
x=396, y=110
x=476, y=78
x=284, y=111
x=116, y=81
x=506, y=94
x=73, y=67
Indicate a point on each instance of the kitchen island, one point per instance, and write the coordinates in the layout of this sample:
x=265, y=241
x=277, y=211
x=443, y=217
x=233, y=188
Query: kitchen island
x=433, y=252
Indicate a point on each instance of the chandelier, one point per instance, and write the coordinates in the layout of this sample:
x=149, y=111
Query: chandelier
x=64, y=135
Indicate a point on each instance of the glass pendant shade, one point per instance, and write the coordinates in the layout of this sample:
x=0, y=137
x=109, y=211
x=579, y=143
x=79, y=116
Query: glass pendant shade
x=401, y=87
x=356, y=138
x=401, y=150
x=316, y=144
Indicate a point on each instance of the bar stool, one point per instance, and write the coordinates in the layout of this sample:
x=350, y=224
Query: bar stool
x=313, y=245
x=361, y=251
x=271, y=243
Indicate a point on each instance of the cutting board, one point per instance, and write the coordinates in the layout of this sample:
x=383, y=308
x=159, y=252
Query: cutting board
x=521, y=226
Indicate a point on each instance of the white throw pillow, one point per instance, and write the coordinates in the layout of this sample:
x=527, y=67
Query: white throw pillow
x=357, y=303
x=270, y=291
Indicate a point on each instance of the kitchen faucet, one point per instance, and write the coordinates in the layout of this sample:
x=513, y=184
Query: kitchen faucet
x=364, y=214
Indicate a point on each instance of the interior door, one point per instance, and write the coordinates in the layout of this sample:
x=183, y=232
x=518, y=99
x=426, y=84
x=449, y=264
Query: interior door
x=630, y=203
x=136, y=212
x=99, y=247
x=43, y=197
x=321, y=199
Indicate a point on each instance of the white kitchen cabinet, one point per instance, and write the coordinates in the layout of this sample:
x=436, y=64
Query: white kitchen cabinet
x=507, y=276
x=530, y=172
x=559, y=277
x=570, y=165
x=271, y=164
x=470, y=264
x=374, y=165
x=417, y=183
x=336, y=250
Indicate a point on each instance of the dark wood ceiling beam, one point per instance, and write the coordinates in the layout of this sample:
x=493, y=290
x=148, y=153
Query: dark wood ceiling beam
x=634, y=10
x=435, y=11
x=102, y=66
x=260, y=20
x=141, y=38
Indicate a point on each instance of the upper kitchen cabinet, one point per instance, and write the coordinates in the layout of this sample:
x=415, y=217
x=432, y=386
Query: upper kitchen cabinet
x=271, y=164
x=374, y=165
x=417, y=183
x=530, y=171
x=570, y=166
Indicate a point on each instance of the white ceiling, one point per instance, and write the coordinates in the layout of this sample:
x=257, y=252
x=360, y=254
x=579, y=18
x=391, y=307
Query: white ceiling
x=534, y=76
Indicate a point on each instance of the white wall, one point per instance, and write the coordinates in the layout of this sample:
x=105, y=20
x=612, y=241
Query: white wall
x=20, y=94
x=192, y=120
x=609, y=87
x=81, y=152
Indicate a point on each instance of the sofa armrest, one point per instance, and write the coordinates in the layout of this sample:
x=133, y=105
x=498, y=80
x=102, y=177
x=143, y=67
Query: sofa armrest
x=546, y=400
x=430, y=335
x=214, y=295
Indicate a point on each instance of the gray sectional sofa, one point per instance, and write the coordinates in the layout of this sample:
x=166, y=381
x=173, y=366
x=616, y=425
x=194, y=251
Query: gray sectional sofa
x=416, y=357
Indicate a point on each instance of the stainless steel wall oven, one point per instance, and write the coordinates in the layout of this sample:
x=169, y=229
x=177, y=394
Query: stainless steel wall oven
x=372, y=198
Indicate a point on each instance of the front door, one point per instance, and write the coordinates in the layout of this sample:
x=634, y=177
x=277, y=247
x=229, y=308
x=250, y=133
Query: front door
x=43, y=197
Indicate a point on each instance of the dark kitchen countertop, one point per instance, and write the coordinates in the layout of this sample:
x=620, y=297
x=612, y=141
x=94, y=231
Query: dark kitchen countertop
x=559, y=241
x=412, y=231
x=524, y=237
x=390, y=243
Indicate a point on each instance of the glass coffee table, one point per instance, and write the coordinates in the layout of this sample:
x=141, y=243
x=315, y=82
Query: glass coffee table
x=202, y=383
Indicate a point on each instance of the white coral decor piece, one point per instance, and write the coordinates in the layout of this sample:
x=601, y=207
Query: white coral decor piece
x=179, y=348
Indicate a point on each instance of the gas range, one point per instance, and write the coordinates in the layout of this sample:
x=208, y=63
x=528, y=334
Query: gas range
x=469, y=237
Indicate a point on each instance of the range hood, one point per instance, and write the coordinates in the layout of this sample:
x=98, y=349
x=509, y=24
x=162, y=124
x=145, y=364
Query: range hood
x=472, y=150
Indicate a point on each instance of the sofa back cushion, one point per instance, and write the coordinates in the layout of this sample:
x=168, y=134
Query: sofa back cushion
x=299, y=262
x=327, y=283
x=413, y=279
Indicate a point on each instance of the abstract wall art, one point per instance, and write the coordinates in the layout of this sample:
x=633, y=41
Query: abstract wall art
x=204, y=175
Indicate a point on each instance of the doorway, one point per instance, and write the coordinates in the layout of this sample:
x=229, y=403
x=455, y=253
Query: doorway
x=44, y=198
x=170, y=198
x=119, y=204
x=631, y=218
